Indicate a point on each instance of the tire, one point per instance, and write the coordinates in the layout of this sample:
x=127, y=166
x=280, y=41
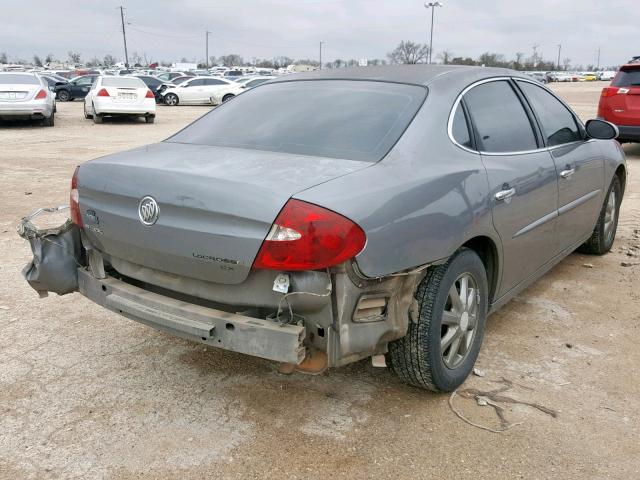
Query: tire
x=171, y=99
x=64, y=96
x=604, y=234
x=150, y=119
x=96, y=118
x=417, y=358
x=227, y=97
x=49, y=122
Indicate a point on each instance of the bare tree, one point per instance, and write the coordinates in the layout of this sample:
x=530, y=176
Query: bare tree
x=409, y=52
x=566, y=63
x=445, y=56
x=233, y=60
x=3, y=57
x=49, y=58
x=519, y=57
x=74, y=57
x=109, y=60
x=37, y=61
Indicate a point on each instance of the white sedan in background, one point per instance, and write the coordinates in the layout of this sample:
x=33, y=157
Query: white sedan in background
x=195, y=91
x=119, y=96
x=26, y=96
x=227, y=93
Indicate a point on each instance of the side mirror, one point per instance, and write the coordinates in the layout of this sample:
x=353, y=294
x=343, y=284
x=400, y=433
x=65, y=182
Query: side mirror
x=243, y=86
x=601, y=130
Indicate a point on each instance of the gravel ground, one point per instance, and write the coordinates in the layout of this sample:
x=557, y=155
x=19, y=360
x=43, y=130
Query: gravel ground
x=85, y=393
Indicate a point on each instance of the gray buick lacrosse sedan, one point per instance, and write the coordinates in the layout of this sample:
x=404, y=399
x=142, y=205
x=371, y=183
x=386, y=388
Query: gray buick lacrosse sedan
x=324, y=218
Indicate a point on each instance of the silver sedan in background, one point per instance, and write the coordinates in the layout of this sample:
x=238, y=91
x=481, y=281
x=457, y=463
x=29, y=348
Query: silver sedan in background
x=26, y=96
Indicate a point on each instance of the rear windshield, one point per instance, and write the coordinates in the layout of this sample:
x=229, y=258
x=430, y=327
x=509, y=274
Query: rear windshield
x=354, y=120
x=18, y=78
x=627, y=78
x=123, y=82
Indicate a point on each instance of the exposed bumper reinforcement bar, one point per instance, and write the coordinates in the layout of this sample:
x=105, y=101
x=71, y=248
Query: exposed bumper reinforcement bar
x=238, y=333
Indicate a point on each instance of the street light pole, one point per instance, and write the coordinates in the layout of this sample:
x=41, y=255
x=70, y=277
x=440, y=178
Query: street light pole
x=432, y=6
x=321, y=55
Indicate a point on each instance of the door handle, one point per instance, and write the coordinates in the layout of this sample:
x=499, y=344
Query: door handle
x=567, y=173
x=505, y=194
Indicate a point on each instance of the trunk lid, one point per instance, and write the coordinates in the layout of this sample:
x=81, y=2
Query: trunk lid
x=216, y=205
x=18, y=93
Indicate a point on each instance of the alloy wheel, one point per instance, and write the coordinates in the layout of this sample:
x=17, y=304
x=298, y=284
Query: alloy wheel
x=459, y=320
x=610, y=216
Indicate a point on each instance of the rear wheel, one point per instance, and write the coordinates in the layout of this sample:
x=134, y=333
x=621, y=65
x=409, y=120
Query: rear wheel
x=63, y=95
x=604, y=234
x=96, y=118
x=440, y=349
x=227, y=97
x=150, y=118
x=171, y=99
x=50, y=121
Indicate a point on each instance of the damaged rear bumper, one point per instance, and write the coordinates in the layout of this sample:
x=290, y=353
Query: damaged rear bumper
x=229, y=331
x=338, y=313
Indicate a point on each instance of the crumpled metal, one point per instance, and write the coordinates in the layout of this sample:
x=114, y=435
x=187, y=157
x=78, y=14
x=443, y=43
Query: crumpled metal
x=57, y=254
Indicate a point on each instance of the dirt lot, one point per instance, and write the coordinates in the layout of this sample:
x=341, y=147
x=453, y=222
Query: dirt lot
x=87, y=394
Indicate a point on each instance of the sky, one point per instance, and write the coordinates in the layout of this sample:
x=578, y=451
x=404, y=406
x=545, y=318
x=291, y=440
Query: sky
x=172, y=29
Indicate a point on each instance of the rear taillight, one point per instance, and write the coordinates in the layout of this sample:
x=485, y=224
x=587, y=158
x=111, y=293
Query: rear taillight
x=308, y=237
x=149, y=94
x=612, y=91
x=74, y=200
x=103, y=93
x=40, y=95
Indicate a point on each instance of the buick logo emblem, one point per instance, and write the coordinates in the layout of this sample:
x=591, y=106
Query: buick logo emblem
x=148, y=211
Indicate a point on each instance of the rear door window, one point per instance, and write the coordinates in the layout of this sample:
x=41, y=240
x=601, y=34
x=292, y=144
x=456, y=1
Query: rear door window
x=460, y=129
x=213, y=81
x=500, y=118
x=558, y=124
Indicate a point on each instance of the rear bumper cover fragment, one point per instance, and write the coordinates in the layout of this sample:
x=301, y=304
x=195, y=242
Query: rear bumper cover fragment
x=230, y=331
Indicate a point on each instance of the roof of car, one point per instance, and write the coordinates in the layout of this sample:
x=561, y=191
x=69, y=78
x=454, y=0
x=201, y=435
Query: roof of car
x=416, y=74
x=19, y=73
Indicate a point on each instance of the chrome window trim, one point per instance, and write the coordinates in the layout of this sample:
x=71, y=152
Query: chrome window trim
x=505, y=154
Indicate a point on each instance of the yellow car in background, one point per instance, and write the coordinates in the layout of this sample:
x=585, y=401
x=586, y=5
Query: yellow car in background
x=589, y=77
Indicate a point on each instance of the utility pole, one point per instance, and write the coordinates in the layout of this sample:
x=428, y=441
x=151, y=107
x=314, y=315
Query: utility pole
x=432, y=6
x=321, y=55
x=207, y=47
x=598, y=66
x=124, y=37
x=559, y=50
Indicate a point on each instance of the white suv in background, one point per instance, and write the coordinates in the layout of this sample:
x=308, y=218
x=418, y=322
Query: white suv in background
x=119, y=96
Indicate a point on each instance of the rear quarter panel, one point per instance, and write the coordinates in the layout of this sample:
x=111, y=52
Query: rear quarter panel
x=424, y=200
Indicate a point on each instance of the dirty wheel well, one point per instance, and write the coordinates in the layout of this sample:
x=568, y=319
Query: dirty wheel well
x=486, y=250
